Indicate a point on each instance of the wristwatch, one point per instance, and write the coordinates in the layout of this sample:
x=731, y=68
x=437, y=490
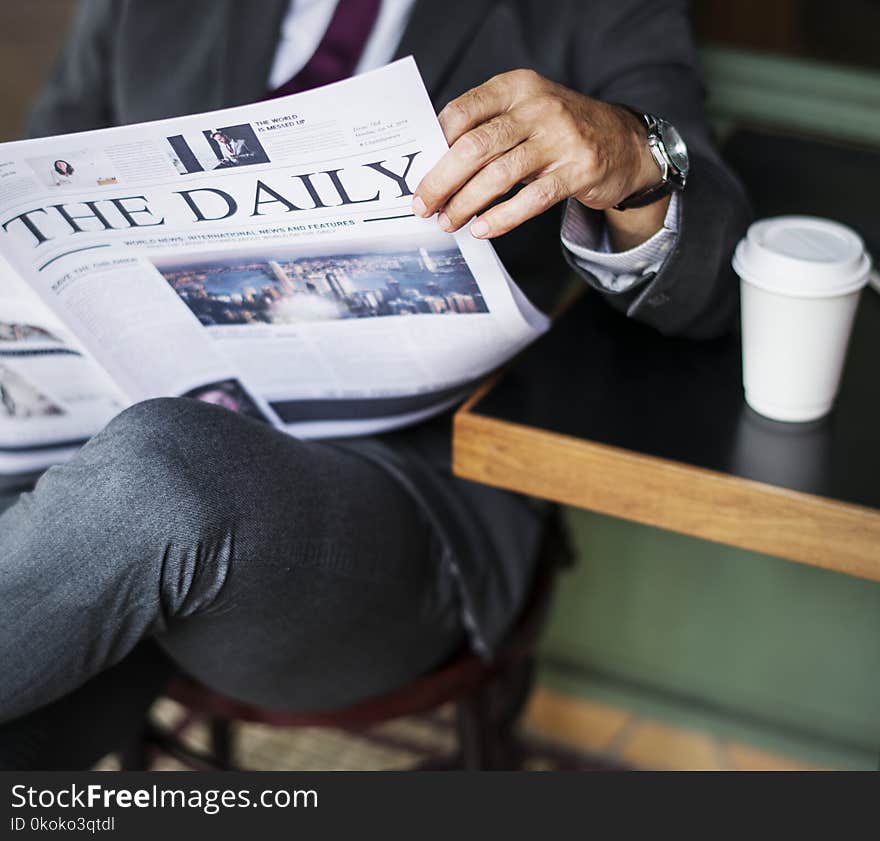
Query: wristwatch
x=671, y=154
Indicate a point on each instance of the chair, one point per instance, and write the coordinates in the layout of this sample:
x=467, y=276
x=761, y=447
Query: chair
x=488, y=697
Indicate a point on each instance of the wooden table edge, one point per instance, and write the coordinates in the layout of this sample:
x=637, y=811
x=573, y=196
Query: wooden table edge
x=684, y=498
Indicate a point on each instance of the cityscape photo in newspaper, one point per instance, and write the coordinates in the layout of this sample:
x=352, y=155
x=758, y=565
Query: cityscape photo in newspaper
x=265, y=258
x=361, y=280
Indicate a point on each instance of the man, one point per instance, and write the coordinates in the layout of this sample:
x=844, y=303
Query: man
x=313, y=575
x=232, y=150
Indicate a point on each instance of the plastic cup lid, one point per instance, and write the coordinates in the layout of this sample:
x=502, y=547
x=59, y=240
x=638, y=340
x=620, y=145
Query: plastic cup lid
x=803, y=256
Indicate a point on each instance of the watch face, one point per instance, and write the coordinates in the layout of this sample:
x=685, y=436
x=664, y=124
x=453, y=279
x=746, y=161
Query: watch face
x=675, y=147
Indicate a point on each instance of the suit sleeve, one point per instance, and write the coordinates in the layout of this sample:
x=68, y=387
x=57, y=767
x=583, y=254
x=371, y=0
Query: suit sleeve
x=78, y=95
x=641, y=53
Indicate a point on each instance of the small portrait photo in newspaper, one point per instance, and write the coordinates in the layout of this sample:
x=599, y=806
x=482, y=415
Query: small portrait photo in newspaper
x=216, y=148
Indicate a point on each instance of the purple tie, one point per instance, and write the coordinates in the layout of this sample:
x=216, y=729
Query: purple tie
x=339, y=51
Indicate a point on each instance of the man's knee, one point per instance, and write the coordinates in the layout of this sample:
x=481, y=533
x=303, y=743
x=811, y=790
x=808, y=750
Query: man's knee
x=193, y=462
x=166, y=419
x=153, y=460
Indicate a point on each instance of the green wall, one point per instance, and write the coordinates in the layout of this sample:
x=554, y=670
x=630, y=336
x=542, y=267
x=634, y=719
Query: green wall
x=808, y=97
x=718, y=636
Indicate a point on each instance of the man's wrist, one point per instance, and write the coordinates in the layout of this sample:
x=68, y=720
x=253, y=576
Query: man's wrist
x=649, y=172
x=669, y=150
x=588, y=236
x=646, y=172
x=630, y=228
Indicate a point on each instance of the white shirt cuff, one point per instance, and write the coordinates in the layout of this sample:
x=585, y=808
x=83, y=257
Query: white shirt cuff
x=585, y=235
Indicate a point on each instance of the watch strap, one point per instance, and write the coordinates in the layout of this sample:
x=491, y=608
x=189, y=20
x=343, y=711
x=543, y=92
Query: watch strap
x=647, y=196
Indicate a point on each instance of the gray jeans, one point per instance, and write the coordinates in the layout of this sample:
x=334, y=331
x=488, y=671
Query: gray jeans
x=290, y=574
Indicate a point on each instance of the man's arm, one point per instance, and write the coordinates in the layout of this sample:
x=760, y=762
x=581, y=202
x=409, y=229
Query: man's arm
x=77, y=96
x=561, y=143
x=641, y=53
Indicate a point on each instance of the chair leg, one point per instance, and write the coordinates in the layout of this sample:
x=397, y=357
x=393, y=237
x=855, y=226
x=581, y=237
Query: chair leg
x=222, y=741
x=513, y=692
x=135, y=755
x=487, y=720
x=476, y=732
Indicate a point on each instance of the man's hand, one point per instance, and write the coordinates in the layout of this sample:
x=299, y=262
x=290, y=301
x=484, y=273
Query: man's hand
x=520, y=128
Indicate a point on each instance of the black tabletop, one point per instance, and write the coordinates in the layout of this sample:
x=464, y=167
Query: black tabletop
x=602, y=377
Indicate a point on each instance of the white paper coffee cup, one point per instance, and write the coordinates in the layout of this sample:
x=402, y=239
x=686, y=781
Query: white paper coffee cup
x=801, y=278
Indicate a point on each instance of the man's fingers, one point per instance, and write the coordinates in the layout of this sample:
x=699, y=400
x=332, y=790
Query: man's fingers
x=470, y=153
x=492, y=181
x=477, y=106
x=530, y=201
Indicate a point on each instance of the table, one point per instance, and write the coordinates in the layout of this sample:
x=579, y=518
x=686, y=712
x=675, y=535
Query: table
x=607, y=415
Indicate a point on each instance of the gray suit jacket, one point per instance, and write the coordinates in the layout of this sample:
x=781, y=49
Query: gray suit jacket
x=135, y=60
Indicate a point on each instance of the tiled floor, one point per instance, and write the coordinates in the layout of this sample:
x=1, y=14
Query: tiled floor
x=561, y=733
x=396, y=746
x=624, y=739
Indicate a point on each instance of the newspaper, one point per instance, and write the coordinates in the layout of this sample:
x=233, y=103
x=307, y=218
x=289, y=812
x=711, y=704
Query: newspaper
x=264, y=258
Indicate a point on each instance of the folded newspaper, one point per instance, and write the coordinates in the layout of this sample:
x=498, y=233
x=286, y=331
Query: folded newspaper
x=263, y=258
